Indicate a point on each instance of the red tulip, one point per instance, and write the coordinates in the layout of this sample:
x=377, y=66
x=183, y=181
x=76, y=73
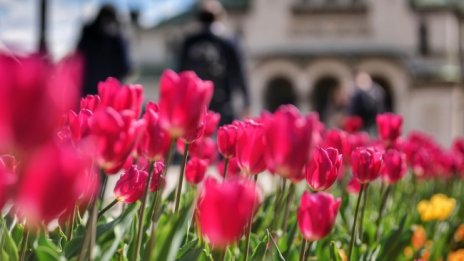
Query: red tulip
x=288, y=141
x=33, y=97
x=120, y=97
x=53, y=180
x=337, y=139
x=224, y=209
x=352, y=124
x=203, y=148
x=131, y=185
x=394, y=166
x=227, y=140
x=184, y=99
x=317, y=214
x=366, y=163
x=324, y=168
x=389, y=126
x=155, y=141
x=157, y=180
x=115, y=134
x=211, y=123
x=250, y=148
x=195, y=170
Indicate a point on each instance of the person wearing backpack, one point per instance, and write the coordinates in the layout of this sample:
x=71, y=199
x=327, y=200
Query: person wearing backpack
x=214, y=56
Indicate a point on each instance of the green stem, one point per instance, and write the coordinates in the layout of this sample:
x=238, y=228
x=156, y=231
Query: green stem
x=353, y=228
x=302, y=250
x=308, y=250
x=226, y=165
x=70, y=227
x=221, y=255
x=93, y=234
x=291, y=193
x=24, y=244
x=279, y=200
x=381, y=210
x=363, y=211
x=181, y=177
x=250, y=222
x=108, y=207
x=104, y=178
x=138, y=242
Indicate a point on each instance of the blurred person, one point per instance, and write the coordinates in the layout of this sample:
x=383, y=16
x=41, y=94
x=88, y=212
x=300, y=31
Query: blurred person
x=367, y=101
x=104, y=50
x=335, y=111
x=216, y=57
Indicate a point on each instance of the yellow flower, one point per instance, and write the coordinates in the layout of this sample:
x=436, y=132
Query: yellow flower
x=439, y=207
x=457, y=255
x=459, y=234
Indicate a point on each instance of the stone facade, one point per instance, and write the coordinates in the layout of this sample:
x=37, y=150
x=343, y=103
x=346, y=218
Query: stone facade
x=301, y=42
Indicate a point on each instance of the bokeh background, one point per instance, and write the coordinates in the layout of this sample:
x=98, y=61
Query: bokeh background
x=305, y=52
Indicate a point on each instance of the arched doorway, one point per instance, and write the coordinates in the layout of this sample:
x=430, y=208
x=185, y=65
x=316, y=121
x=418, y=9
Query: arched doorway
x=324, y=97
x=386, y=86
x=279, y=90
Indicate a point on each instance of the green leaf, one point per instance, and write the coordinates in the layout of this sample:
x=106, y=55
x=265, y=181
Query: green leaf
x=8, y=248
x=260, y=250
x=334, y=254
x=171, y=235
x=279, y=254
x=46, y=250
x=395, y=242
x=186, y=248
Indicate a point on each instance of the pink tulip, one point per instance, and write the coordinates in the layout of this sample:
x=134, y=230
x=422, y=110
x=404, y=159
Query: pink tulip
x=323, y=169
x=337, y=139
x=317, y=214
x=250, y=148
x=155, y=141
x=195, y=170
x=120, y=97
x=366, y=163
x=389, y=126
x=184, y=99
x=203, y=148
x=394, y=166
x=288, y=141
x=131, y=185
x=211, y=123
x=52, y=182
x=227, y=140
x=90, y=102
x=79, y=124
x=158, y=180
x=34, y=95
x=115, y=134
x=224, y=209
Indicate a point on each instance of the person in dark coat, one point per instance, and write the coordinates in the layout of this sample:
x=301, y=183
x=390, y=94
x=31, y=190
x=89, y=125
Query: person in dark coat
x=215, y=57
x=367, y=101
x=103, y=49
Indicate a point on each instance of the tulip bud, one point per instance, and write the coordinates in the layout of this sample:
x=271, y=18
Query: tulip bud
x=251, y=144
x=352, y=124
x=224, y=209
x=366, y=163
x=394, y=166
x=317, y=214
x=120, y=97
x=389, y=126
x=184, y=99
x=195, y=170
x=131, y=185
x=211, y=123
x=158, y=180
x=227, y=140
x=155, y=141
x=288, y=141
x=324, y=168
x=353, y=186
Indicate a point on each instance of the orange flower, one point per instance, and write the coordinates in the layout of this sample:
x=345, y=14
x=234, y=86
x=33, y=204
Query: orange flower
x=419, y=237
x=459, y=234
x=457, y=255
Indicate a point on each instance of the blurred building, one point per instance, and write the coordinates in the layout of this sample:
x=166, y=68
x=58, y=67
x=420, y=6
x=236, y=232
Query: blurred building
x=300, y=50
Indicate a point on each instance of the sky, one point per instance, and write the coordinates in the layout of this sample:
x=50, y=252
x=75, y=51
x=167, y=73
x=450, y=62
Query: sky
x=19, y=20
